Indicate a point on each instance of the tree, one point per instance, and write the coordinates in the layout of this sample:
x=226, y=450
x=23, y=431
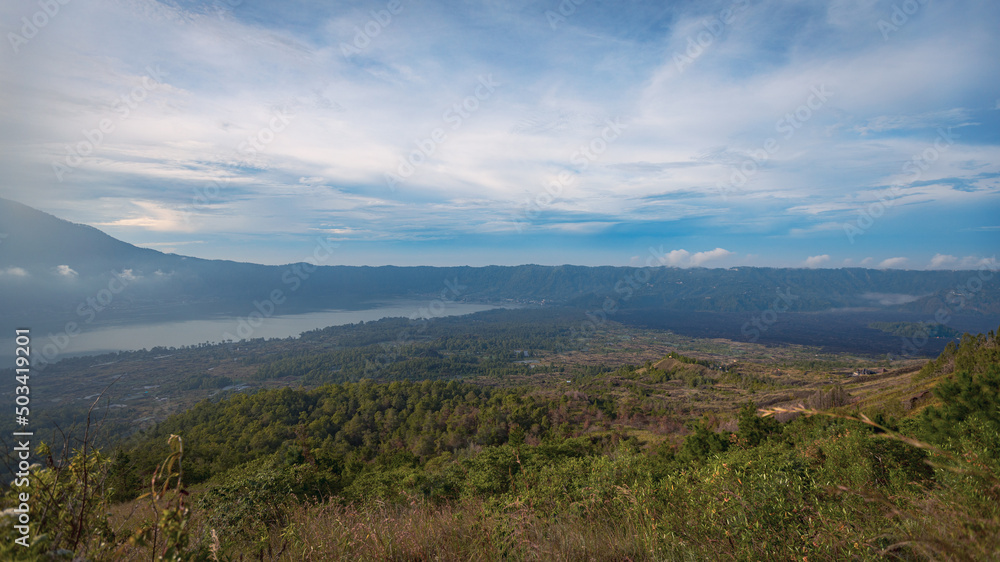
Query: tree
x=753, y=429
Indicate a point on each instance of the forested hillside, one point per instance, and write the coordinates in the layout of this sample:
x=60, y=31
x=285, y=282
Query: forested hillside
x=452, y=470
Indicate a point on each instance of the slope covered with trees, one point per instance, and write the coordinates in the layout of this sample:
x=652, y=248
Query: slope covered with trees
x=450, y=470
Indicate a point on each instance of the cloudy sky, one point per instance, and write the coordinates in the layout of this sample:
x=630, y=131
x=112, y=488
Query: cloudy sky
x=747, y=132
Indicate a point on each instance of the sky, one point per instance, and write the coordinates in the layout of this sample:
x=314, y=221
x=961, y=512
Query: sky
x=791, y=133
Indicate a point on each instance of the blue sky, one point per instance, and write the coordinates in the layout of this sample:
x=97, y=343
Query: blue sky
x=771, y=133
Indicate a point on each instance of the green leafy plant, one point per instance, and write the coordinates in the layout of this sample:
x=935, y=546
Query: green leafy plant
x=169, y=536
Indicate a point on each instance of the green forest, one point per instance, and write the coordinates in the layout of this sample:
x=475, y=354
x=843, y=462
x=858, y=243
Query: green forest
x=600, y=469
x=915, y=329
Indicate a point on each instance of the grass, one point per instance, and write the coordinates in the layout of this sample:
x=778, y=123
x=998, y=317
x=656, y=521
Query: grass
x=830, y=485
x=840, y=494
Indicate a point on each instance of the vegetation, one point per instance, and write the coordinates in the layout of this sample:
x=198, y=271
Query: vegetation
x=602, y=469
x=915, y=329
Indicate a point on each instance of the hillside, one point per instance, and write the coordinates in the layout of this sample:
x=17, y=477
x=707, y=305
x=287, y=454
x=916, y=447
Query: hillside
x=667, y=460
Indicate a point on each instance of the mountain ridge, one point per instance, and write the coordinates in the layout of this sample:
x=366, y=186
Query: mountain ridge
x=50, y=266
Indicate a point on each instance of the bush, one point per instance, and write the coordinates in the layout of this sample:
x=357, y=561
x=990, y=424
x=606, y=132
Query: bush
x=702, y=444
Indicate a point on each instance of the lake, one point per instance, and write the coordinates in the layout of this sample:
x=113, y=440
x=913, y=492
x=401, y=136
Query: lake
x=132, y=337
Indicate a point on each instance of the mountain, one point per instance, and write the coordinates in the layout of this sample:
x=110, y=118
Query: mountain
x=36, y=240
x=53, y=271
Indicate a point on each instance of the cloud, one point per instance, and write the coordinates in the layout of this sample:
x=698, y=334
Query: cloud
x=66, y=271
x=703, y=257
x=816, y=228
x=355, y=118
x=816, y=261
x=942, y=261
x=893, y=263
x=890, y=299
x=14, y=272
x=882, y=123
x=158, y=244
x=974, y=262
x=676, y=258
x=152, y=215
x=684, y=258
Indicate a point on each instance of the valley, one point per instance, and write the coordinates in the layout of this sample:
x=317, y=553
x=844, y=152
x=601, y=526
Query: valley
x=555, y=412
x=142, y=388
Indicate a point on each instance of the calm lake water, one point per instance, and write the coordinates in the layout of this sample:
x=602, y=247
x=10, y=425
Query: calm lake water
x=191, y=332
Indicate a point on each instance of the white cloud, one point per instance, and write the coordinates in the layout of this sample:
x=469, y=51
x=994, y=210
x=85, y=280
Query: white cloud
x=973, y=262
x=703, y=257
x=676, y=258
x=892, y=122
x=66, y=271
x=171, y=245
x=816, y=261
x=942, y=261
x=684, y=258
x=356, y=117
x=151, y=215
x=819, y=227
x=893, y=263
x=945, y=261
x=581, y=227
x=990, y=263
x=14, y=272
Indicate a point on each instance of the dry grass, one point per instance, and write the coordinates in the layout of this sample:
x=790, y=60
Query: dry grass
x=468, y=531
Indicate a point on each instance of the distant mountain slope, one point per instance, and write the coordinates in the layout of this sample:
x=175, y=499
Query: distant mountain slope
x=54, y=270
x=37, y=240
